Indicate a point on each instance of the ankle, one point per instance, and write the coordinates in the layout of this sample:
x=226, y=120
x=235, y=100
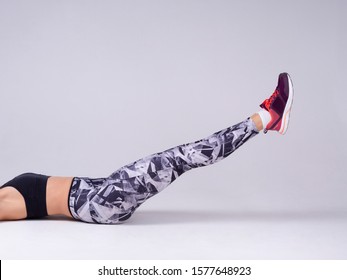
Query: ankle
x=257, y=121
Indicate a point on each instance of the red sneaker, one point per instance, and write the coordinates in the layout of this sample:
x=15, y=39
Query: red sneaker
x=279, y=104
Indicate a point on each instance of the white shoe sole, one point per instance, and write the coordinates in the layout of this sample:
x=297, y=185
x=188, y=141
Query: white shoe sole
x=286, y=113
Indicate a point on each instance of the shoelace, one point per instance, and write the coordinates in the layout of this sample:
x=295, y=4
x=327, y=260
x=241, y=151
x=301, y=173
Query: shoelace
x=272, y=98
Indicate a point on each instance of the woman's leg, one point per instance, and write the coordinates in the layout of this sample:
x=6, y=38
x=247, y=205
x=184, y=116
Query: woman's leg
x=177, y=160
x=115, y=198
x=173, y=162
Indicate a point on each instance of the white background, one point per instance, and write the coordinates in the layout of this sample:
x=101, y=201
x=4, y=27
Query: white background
x=89, y=86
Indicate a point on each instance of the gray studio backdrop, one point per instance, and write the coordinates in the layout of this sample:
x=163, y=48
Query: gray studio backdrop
x=88, y=86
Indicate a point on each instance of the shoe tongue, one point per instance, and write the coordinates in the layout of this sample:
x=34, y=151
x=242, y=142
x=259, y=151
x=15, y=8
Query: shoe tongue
x=266, y=104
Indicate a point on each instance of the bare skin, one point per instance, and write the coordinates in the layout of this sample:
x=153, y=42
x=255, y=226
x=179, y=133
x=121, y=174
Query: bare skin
x=257, y=120
x=12, y=204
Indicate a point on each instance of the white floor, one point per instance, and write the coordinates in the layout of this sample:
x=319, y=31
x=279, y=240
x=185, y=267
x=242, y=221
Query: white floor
x=183, y=234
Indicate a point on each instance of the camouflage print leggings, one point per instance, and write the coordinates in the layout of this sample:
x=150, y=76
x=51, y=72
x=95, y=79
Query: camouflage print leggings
x=114, y=199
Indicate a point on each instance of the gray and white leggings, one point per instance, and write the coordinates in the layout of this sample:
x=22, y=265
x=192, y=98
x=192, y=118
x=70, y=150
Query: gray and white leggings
x=114, y=199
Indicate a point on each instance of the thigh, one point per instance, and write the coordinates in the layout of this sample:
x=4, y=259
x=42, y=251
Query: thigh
x=12, y=204
x=110, y=201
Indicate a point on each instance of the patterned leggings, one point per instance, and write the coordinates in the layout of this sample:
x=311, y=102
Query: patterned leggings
x=114, y=199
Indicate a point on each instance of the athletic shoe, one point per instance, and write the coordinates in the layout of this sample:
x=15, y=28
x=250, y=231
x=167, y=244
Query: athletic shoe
x=279, y=104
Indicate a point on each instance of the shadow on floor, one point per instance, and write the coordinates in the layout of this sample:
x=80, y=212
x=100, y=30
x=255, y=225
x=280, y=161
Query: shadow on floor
x=48, y=218
x=149, y=217
x=152, y=217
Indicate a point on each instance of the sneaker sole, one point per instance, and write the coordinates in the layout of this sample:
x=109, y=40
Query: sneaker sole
x=286, y=115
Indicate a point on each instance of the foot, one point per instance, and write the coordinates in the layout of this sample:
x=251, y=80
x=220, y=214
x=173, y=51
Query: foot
x=279, y=104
